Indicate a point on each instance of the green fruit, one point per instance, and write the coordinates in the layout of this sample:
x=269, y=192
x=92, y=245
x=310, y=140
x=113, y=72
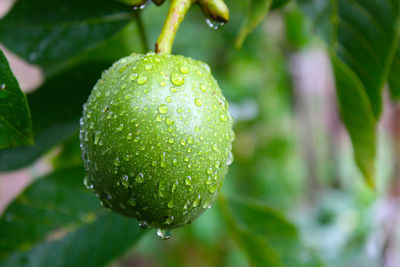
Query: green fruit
x=156, y=137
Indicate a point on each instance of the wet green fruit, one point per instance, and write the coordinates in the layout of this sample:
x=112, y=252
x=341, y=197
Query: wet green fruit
x=156, y=137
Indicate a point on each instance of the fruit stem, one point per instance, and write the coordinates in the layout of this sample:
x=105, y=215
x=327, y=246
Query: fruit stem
x=176, y=14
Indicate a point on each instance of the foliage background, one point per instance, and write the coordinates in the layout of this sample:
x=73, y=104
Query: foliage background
x=293, y=196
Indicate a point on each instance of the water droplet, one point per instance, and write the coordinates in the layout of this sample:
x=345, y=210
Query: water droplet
x=169, y=220
x=171, y=204
x=177, y=79
x=163, y=234
x=223, y=117
x=197, y=128
x=217, y=164
x=183, y=142
x=163, y=109
x=203, y=88
x=125, y=181
x=199, y=73
x=198, y=102
x=190, y=139
x=209, y=171
x=126, y=157
x=120, y=127
x=163, y=84
x=163, y=164
x=174, y=186
x=175, y=162
x=186, y=158
x=97, y=137
x=117, y=162
x=129, y=136
x=213, y=188
x=139, y=178
x=170, y=129
x=188, y=180
x=158, y=118
x=142, y=79
x=229, y=160
x=88, y=183
x=3, y=86
x=171, y=140
x=184, y=69
x=148, y=66
x=168, y=99
x=180, y=110
x=169, y=121
x=213, y=24
x=133, y=76
x=214, y=147
x=196, y=202
x=144, y=225
x=207, y=204
x=174, y=90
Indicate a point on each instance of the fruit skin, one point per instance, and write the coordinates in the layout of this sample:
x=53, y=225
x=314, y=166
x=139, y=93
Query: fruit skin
x=156, y=137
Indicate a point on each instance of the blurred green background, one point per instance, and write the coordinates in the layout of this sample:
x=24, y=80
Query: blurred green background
x=293, y=182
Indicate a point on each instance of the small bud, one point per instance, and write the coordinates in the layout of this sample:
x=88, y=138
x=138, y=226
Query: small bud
x=215, y=10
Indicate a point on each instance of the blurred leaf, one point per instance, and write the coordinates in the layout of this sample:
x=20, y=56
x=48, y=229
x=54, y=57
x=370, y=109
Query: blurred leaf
x=15, y=117
x=394, y=77
x=257, y=10
x=279, y=3
x=55, y=202
x=70, y=154
x=269, y=224
x=56, y=108
x=49, y=33
x=297, y=29
x=257, y=249
x=362, y=36
x=57, y=105
x=96, y=244
x=357, y=115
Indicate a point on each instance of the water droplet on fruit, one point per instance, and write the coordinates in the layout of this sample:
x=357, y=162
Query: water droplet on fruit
x=117, y=162
x=88, y=183
x=163, y=84
x=142, y=79
x=139, y=178
x=144, y=225
x=125, y=181
x=133, y=76
x=184, y=69
x=168, y=99
x=148, y=66
x=158, y=118
x=97, y=137
x=203, y=88
x=229, y=160
x=131, y=202
x=177, y=79
x=163, y=234
x=163, y=109
x=223, y=117
x=169, y=121
x=209, y=171
x=190, y=139
x=198, y=102
x=188, y=180
x=171, y=204
x=213, y=188
x=196, y=202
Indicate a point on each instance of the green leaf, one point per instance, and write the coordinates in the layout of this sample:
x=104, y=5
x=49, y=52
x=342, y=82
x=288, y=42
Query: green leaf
x=279, y=3
x=394, y=77
x=358, y=117
x=362, y=36
x=96, y=244
x=15, y=117
x=49, y=33
x=256, y=12
x=56, y=108
x=58, y=201
x=57, y=105
x=257, y=249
